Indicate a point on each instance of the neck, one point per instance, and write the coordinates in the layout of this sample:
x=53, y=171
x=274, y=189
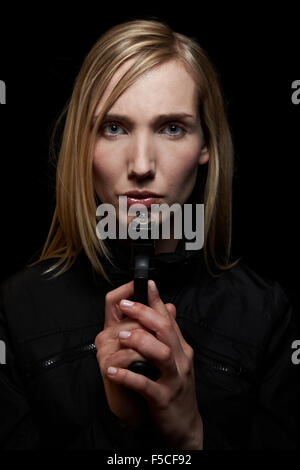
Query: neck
x=166, y=246
x=161, y=245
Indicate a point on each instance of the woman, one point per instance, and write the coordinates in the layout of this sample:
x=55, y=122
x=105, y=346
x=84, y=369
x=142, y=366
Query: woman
x=146, y=115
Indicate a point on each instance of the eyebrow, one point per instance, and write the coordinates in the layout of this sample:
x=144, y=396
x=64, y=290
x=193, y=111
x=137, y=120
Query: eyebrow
x=157, y=119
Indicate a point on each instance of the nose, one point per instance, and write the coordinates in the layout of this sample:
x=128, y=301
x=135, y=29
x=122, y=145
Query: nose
x=141, y=157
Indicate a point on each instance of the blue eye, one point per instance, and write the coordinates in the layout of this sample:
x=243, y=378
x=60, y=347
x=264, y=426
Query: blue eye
x=111, y=129
x=175, y=130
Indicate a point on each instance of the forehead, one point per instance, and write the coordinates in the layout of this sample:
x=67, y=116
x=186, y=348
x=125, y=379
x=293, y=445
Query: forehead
x=166, y=88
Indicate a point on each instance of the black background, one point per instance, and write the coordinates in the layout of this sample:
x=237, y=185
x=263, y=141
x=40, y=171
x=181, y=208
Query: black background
x=256, y=54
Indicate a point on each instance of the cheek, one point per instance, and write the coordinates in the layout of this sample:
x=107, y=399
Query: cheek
x=99, y=178
x=100, y=161
x=104, y=166
x=98, y=169
x=180, y=170
x=183, y=162
x=103, y=174
x=181, y=182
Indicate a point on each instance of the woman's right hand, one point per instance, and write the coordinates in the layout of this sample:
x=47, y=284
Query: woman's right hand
x=129, y=406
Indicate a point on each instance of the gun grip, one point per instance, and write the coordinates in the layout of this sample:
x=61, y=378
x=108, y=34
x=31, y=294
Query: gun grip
x=142, y=251
x=144, y=368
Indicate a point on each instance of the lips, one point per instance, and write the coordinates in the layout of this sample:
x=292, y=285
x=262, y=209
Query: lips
x=141, y=194
x=142, y=197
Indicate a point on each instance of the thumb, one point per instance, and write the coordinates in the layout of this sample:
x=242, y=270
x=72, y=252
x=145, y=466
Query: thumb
x=156, y=302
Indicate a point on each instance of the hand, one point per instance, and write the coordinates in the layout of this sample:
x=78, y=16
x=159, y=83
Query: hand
x=123, y=402
x=172, y=398
x=129, y=406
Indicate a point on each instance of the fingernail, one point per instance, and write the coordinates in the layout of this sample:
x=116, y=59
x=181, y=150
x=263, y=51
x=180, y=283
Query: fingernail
x=126, y=303
x=111, y=370
x=124, y=334
x=152, y=286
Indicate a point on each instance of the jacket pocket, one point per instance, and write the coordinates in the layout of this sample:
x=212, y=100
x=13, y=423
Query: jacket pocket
x=60, y=358
x=215, y=360
x=221, y=366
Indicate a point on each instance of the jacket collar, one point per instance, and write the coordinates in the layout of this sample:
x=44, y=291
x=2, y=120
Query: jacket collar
x=177, y=266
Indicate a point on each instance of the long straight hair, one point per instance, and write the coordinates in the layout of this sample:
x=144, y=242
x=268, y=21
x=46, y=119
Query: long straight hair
x=150, y=43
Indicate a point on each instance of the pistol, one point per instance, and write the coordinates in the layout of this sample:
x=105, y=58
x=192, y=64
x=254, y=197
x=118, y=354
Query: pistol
x=142, y=260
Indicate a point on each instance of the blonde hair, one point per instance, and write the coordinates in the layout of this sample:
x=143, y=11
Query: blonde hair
x=151, y=43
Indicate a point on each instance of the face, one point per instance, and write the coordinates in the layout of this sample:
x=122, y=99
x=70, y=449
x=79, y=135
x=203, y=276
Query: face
x=151, y=138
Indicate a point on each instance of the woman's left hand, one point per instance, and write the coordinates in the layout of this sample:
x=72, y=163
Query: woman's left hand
x=172, y=398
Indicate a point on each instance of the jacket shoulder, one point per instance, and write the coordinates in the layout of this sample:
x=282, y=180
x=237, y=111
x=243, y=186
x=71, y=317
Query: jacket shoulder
x=242, y=304
x=35, y=302
x=28, y=279
x=256, y=290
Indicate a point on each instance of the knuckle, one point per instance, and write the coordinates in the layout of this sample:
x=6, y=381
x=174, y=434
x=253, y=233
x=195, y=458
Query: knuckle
x=166, y=355
x=100, y=335
x=125, y=374
x=177, y=389
x=106, y=360
x=98, y=339
x=102, y=363
x=98, y=356
x=142, y=309
x=186, y=370
x=123, y=356
x=137, y=335
x=172, y=310
x=165, y=400
x=105, y=363
x=108, y=298
x=166, y=324
x=190, y=353
x=130, y=355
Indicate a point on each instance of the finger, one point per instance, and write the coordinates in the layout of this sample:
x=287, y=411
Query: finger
x=150, y=348
x=154, y=299
x=161, y=325
x=110, y=335
x=121, y=358
x=155, y=302
x=113, y=314
x=171, y=309
x=113, y=346
x=152, y=391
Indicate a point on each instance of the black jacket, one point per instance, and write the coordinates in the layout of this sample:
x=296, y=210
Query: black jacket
x=240, y=326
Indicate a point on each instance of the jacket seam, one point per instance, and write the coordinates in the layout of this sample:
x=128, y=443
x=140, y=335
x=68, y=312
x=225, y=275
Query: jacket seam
x=53, y=332
x=218, y=332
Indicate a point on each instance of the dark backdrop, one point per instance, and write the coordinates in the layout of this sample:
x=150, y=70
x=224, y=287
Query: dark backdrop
x=256, y=55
